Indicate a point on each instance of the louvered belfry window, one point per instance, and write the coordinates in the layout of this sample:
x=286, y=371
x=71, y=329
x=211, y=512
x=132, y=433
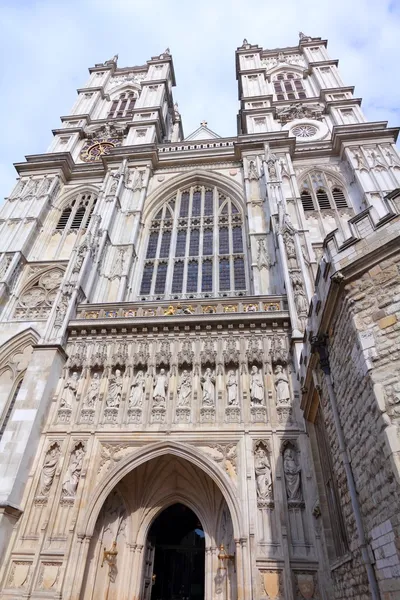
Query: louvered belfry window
x=195, y=247
x=78, y=213
x=288, y=86
x=319, y=192
x=122, y=107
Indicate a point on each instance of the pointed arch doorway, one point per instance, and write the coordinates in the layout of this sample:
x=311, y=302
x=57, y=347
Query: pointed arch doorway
x=175, y=556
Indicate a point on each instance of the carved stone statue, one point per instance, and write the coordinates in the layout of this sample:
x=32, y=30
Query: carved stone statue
x=93, y=391
x=281, y=386
x=69, y=391
x=392, y=158
x=49, y=469
x=262, y=469
x=256, y=386
x=290, y=251
x=160, y=388
x=300, y=299
x=207, y=382
x=292, y=476
x=117, y=269
x=70, y=483
x=377, y=160
x=263, y=260
x=137, y=391
x=115, y=390
x=253, y=174
x=184, y=389
x=232, y=389
x=361, y=163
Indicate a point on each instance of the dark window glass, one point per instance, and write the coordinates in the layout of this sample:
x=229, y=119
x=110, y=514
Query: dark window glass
x=193, y=267
x=299, y=84
x=160, y=279
x=207, y=276
x=234, y=208
x=196, y=204
x=208, y=242
x=208, y=203
x=280, y=77
x=113, y=108
x=224, y=274
x=63, y=220
x=165, y=243
x=146, y=279
x=288, y=86
x=238, y=273
x=194, y=242
x=180, y=243
x=90, y=213
x=280, y=97
x=237, y=239
x=290, y=76
x=302, y=95
x=184, y=205
x=277, y=86
x=10, y=409
x=78, y=217
x=224, y=240
x=177, y=280
x=152, y=246
x=291, y=96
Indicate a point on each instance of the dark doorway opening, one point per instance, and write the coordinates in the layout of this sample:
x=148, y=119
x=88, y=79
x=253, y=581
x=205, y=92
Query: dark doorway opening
x=178, y=539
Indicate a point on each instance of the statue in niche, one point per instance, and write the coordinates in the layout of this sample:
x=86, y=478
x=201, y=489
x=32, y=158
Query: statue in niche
x=207, y=382
x=160, y=388
x=49, y=469
x=281, y=386
x=253, y=174
x=292, y=476
x=263, y=474
x=377, y=160
x=70, y=483
x=93, y=391
x=392, y=158
x=184, y=389
x=137, y=391
x=232, y=389
x=300, y=298
x=118, y=266
x=115, y=390
x=256, y=386
x=69, y=391
x=361, y=163
x=291, y=251
x=263, y=260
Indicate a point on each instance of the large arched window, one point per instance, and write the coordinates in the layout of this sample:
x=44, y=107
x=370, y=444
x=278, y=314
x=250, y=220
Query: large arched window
x=288, y=86
x=195, y=247
x=78, y=212
x=122, y=107
x=320, y=191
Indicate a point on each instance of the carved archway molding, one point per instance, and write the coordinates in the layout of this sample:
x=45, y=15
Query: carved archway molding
x=86, y=523
x=16, y=345
x=196, y=177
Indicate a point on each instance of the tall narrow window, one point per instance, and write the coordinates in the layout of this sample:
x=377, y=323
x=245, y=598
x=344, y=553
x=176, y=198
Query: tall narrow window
x=322, y=191
x=78, y=213
x=289, y=86
x=10, y=409
x=195, y=247
x=122, y=107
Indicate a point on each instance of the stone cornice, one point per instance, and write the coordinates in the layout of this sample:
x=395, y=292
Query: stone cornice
x=360, y=132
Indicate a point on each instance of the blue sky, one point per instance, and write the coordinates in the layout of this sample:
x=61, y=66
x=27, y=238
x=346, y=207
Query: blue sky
x=47, y=47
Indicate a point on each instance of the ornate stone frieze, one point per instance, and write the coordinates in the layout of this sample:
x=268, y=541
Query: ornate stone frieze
x=299, y=110
x=223, y=454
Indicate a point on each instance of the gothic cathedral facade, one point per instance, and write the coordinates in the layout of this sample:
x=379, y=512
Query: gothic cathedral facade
x=170, y=428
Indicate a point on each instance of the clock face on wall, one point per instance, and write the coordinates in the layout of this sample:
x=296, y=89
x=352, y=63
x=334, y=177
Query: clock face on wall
x=94, y=150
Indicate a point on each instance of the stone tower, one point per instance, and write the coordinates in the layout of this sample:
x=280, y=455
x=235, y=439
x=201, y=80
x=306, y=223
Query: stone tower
x=157, y=361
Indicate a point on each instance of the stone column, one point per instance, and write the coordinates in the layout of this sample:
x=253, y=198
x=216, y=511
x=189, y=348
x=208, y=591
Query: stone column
x=22, y=434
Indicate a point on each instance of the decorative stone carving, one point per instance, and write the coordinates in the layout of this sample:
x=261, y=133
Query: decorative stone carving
x=281, y=386
x=253, y=172
x=110, y=454
x=392, y=158
x=290, y=251
x=74, y=470
x=115, y=390
x=377, y=160
x=184, y=389
x=136, y=395
x=69, y=392
x=120, y=354
x=292, y=472
x=126, y=78
x=231, y=353
x=62, y=307
x=254, y=353
x=232, y=389
x=298, y=110
x=256, y=387
x=225, y=455
x=49, y=468
x=135, y=180
x=105, y=130
x=306, y=585
x=361, y=163
x=99, y=356
x=278, y=350
x=163, y=356
x=36, y=301
x=207, y=382
x=208, y=355
x=263, y=260
x=93, y=392
x=19, y=575
x=142, y=354
x=304, y=38
x=263, y=475
x=48, y=577
x=272, y=583
x=186, y=354
x=118, y=266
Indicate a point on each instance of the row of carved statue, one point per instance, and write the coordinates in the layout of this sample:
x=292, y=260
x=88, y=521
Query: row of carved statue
x=160, y=385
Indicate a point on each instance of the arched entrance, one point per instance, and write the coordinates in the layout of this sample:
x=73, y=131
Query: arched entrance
x=175, y=556
x=147, y=492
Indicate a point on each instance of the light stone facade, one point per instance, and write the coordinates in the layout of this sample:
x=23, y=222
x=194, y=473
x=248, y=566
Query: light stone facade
x=158, y=345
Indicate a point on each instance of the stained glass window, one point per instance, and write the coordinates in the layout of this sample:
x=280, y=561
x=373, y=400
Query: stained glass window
x=186, y=227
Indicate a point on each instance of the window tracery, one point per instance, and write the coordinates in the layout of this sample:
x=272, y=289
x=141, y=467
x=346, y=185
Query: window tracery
x=78, y=212
x=320, y=192
x=195, y=247
x=288, y=86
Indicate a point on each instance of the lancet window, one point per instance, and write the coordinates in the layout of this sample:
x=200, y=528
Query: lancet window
x=122, y=106
x=9, y=410
x=195, y=247
x=288, y=86
x=78, y=212
x=320, y=192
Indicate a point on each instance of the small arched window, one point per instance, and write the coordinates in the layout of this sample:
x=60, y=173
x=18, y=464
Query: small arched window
x=320, y=192
x=78, y=213
x=195, y=247
x=288, y=86
x=122, y=107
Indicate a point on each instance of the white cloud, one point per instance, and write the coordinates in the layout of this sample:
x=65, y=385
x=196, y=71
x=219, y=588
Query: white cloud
x=47, y=48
